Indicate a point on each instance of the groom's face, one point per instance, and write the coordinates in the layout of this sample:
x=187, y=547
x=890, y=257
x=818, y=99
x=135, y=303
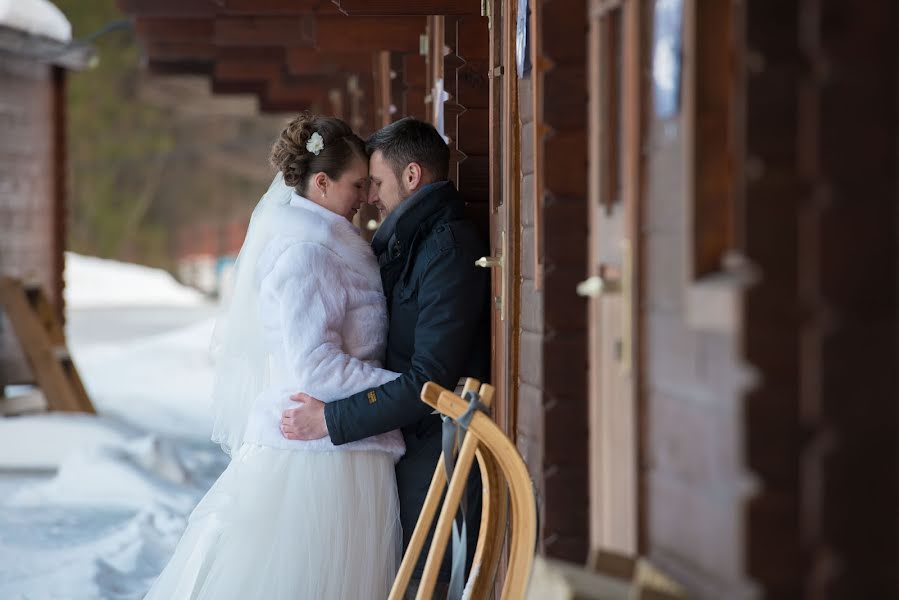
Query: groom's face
x=386, y=192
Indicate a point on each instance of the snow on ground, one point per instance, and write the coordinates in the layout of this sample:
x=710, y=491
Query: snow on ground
x=96, y=282
x=92, y=506
x=160, y=383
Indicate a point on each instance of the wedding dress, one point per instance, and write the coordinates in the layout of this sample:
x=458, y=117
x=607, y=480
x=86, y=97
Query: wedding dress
x=287, y=519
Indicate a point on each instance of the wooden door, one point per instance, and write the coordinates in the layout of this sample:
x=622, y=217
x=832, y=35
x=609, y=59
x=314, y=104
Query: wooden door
x=614, y=194
x=504, y=200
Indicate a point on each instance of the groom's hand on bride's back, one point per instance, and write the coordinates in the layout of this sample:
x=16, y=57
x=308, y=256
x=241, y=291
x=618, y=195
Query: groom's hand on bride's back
x=306, y=421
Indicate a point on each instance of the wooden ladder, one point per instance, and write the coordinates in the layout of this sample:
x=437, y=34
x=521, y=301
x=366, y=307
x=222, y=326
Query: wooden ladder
x=42, y=339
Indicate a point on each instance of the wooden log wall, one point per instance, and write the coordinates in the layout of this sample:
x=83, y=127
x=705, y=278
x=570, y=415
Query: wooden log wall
x=552, y=411
x=695, y=484
x=466, y=111
x=32, y=188
x=821, y=224
x=772, y=437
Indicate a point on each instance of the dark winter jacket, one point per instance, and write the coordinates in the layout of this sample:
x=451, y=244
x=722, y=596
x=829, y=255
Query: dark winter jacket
x=439, y=308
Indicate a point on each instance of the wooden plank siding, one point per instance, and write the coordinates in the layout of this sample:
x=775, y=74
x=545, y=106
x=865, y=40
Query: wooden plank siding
x=695, y=484
x=552, y=395
x=849, y=246
x=32, y=188
x=771, y=340
x=821, y=224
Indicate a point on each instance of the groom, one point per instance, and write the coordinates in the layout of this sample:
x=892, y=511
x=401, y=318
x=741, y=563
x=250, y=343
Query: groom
x=439, y=317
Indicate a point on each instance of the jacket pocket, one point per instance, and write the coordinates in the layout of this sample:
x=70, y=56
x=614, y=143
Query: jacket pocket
x=403, y=319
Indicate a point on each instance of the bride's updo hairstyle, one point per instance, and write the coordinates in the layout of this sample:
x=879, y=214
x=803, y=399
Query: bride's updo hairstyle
x=290, y=155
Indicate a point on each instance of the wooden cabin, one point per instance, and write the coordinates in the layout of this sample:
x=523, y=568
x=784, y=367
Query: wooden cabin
x=695, y=207
x=35, y=57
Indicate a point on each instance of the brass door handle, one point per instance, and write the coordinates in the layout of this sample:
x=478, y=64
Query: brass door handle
x=489, y=262
x=497, y=262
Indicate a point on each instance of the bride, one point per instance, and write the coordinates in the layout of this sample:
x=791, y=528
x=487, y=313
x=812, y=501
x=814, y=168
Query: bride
x=289, y=519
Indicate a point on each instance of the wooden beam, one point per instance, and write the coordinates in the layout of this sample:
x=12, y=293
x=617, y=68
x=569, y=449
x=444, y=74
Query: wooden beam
x=277, y=7
x=336, y=34
x=309, y=61
x=255, y=88
x=367, y=8
x=291, y=105
x=312, y=87
x=181, y=67
x=179, y=51
x=166, y=30
x=247, y=70
x=183, y=9
x=266, y=31
x=293, y=95
x=209, y=9
x=382, y=88
x=270, y=53
x=368, y=34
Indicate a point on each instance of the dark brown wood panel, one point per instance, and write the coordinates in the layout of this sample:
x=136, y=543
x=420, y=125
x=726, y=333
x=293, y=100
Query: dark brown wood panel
x=561, y=217
x=474, y=172
x=247, y=70
x=202, y=9
x=276, y=7
x=713, y=228
x=409, y=7
x=174, y=30
x=208, y=9
x=772, y=417
x=181, y=67
x=368, y=34
x=238, y=87
x=265, y=31
x=415, y=81
x=849, y=252
x=466, y=118
x=309, y=61
x=179, y=51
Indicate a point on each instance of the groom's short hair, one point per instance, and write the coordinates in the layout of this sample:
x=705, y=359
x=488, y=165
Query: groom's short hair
x=410, y=140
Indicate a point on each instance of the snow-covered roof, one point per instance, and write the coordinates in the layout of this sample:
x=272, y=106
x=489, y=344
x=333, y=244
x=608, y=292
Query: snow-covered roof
x=37, y=17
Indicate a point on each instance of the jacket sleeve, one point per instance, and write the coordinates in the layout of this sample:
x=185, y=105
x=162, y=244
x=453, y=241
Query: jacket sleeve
x=304, y=290
x=450, y=301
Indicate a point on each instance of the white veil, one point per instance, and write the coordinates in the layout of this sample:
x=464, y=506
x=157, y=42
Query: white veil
x=241, y=355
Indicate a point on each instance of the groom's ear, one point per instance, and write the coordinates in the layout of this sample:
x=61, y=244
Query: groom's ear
x=412, y=176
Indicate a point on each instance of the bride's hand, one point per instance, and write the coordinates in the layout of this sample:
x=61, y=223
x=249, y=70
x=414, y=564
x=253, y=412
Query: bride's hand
x=306, y=421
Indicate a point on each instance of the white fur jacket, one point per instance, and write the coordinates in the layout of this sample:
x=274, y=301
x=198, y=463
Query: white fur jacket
x=325, y=320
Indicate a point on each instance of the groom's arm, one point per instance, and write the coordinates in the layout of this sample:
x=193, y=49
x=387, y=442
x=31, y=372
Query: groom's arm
x=450, y=302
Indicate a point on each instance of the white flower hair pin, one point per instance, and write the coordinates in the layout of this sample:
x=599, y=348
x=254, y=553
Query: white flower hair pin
x=315, y=144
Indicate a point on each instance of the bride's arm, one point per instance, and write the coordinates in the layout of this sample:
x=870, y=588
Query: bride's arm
x=306, y=288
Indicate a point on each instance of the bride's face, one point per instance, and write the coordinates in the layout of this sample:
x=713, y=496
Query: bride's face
x=345, y=195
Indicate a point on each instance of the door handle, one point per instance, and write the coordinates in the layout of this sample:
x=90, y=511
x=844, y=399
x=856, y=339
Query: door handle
x=497, y=262
x=489, y=262
x=598, y=285
x=615, y=281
